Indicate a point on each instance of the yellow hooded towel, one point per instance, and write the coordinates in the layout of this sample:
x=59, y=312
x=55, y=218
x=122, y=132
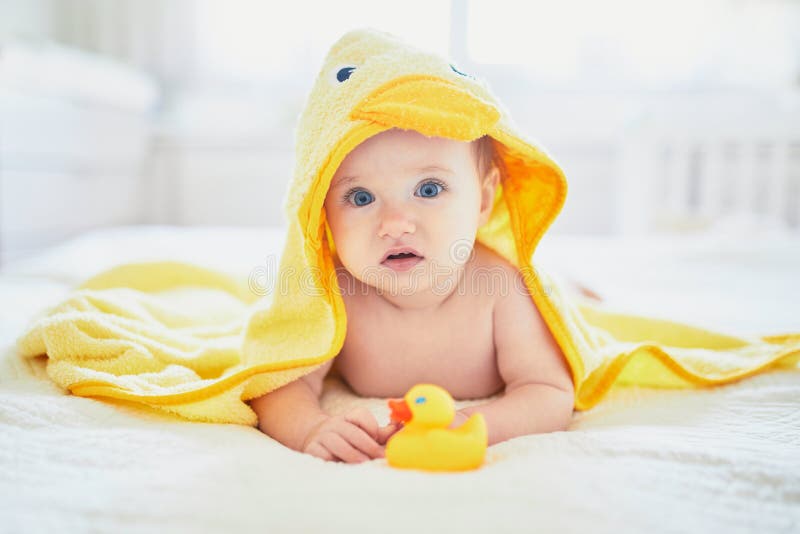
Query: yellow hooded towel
x=199, y=344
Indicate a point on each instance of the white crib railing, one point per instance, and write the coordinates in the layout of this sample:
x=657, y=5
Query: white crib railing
x=689, y=172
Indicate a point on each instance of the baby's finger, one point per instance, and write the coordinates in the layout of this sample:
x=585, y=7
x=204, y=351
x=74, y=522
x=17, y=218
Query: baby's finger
x=316, y=449
x=343, y=450
x=386, y=432
x=362, y=441
x=364, y=419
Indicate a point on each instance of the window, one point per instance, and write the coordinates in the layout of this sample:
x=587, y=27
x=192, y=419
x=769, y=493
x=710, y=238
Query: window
x=628, y=42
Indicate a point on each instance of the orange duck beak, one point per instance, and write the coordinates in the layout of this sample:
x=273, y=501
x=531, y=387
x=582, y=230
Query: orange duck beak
x=400, y=411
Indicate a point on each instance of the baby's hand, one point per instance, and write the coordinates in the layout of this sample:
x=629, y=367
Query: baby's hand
x=352, y=438
x=386, y=432
x=459, y=419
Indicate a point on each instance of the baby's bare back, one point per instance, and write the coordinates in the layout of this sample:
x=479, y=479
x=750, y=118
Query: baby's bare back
x=387, y=350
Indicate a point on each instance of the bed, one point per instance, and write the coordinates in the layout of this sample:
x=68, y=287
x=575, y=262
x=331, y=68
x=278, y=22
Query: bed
x=725, y=459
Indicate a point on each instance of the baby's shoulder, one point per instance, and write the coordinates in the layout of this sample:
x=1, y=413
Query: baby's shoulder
x=503, y=281
x=483, y=256
x=493, y=271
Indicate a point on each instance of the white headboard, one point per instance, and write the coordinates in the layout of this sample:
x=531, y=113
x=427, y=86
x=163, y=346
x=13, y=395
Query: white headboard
x=702, y=168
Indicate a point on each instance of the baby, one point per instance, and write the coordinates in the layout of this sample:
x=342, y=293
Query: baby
x=425, y=302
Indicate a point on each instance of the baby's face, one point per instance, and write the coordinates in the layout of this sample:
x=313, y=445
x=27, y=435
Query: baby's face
x=400, y=189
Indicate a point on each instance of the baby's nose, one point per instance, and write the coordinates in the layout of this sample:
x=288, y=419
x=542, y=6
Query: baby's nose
x=395, y=223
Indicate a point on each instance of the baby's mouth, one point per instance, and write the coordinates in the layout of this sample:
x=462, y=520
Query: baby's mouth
x=402, y=261
x=402, y=255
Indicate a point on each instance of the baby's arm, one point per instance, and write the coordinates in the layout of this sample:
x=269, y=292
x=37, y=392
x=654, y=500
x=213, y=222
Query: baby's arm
x=539, y=395
x=288, y=414
x=292, y=415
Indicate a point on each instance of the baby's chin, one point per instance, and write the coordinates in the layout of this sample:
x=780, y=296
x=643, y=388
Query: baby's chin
x=424, y=279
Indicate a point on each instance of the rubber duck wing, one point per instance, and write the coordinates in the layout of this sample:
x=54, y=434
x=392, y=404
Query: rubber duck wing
x=474, y=426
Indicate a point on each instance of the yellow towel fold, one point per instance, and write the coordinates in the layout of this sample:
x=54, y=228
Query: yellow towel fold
x=199, y=343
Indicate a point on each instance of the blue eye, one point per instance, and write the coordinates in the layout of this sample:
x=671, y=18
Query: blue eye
x=359, y=197
x=419, y=400
x=344, y=73
x=430, y=189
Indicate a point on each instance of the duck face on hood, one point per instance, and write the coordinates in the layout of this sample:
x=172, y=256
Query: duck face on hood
x=370, y=83
x=404, y=210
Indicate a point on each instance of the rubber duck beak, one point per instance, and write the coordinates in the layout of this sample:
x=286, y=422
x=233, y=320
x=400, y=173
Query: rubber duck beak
x=401, y=413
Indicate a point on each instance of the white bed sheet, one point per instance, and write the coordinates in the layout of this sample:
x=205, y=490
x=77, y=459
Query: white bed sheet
x=725, y=459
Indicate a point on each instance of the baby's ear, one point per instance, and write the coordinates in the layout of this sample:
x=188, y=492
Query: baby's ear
x=488, y=187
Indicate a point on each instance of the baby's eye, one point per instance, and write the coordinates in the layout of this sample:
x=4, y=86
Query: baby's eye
x=430, y=189
x=359, y=197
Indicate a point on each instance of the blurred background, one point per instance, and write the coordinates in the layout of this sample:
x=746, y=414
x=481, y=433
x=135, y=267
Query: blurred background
x=676, y=118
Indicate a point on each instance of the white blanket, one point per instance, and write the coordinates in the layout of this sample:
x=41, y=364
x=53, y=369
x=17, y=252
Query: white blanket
x=716, y=460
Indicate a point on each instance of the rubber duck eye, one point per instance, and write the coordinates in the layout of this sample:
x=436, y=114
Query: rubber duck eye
x=459, y=72
x=344, y=73
x=419, y=400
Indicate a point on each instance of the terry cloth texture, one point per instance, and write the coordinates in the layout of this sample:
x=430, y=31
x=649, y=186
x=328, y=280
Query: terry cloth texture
x=198, y=343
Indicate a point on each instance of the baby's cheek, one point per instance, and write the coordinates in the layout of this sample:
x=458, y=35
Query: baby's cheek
x=456, y=236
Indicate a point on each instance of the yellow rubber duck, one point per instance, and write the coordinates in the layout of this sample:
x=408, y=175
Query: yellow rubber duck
x=425, y=441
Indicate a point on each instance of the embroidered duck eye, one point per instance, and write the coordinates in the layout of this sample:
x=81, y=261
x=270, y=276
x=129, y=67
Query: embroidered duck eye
x=431, y=189
x=459, y=72
x=419, y=400
x=359, y=197
x=342, y=73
